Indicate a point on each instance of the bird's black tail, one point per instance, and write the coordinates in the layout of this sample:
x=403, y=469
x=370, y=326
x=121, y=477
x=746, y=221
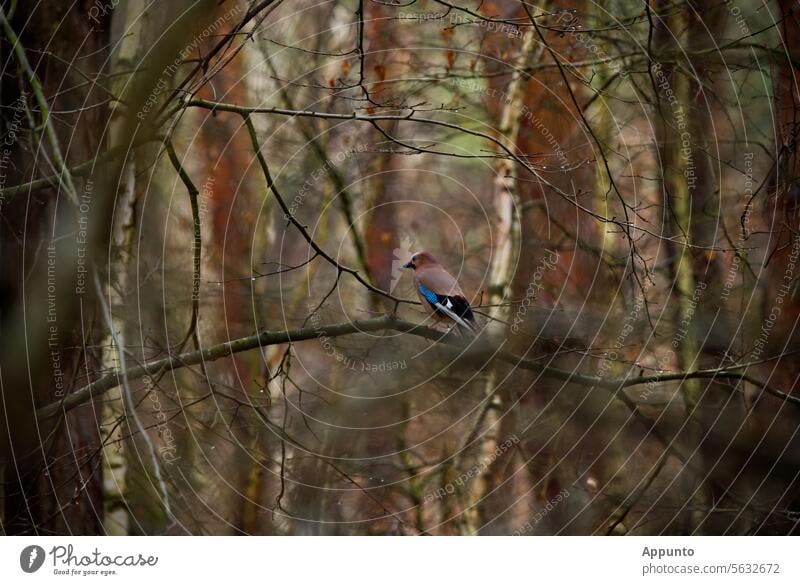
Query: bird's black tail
x=457, y=309
x=465, y=323
x=471, y=329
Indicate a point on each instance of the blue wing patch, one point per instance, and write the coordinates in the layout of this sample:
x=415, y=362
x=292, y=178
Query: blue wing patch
x=455, y=308
x=429, y=295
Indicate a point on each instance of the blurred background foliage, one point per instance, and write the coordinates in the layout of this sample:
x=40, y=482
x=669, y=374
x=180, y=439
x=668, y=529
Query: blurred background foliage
x=614, y=185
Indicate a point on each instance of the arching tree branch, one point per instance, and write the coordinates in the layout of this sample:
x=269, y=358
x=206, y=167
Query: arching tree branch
x=477, y=349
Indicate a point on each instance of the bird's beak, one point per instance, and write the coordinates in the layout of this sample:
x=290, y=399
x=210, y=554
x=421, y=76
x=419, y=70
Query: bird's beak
x=408, y=264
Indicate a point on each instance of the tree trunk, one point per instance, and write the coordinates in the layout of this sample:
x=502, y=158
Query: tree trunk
x=51, y=474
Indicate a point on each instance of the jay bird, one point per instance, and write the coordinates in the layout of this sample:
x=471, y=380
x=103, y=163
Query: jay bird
x=440, y=293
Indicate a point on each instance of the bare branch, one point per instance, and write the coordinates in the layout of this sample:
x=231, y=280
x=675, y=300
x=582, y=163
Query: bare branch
x=477, y=349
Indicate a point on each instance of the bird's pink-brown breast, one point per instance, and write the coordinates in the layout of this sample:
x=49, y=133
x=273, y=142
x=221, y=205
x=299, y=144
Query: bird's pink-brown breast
x=438, y=280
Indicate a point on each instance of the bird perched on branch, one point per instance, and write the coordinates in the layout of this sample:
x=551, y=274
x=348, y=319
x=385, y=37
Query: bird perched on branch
x=440, y=293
